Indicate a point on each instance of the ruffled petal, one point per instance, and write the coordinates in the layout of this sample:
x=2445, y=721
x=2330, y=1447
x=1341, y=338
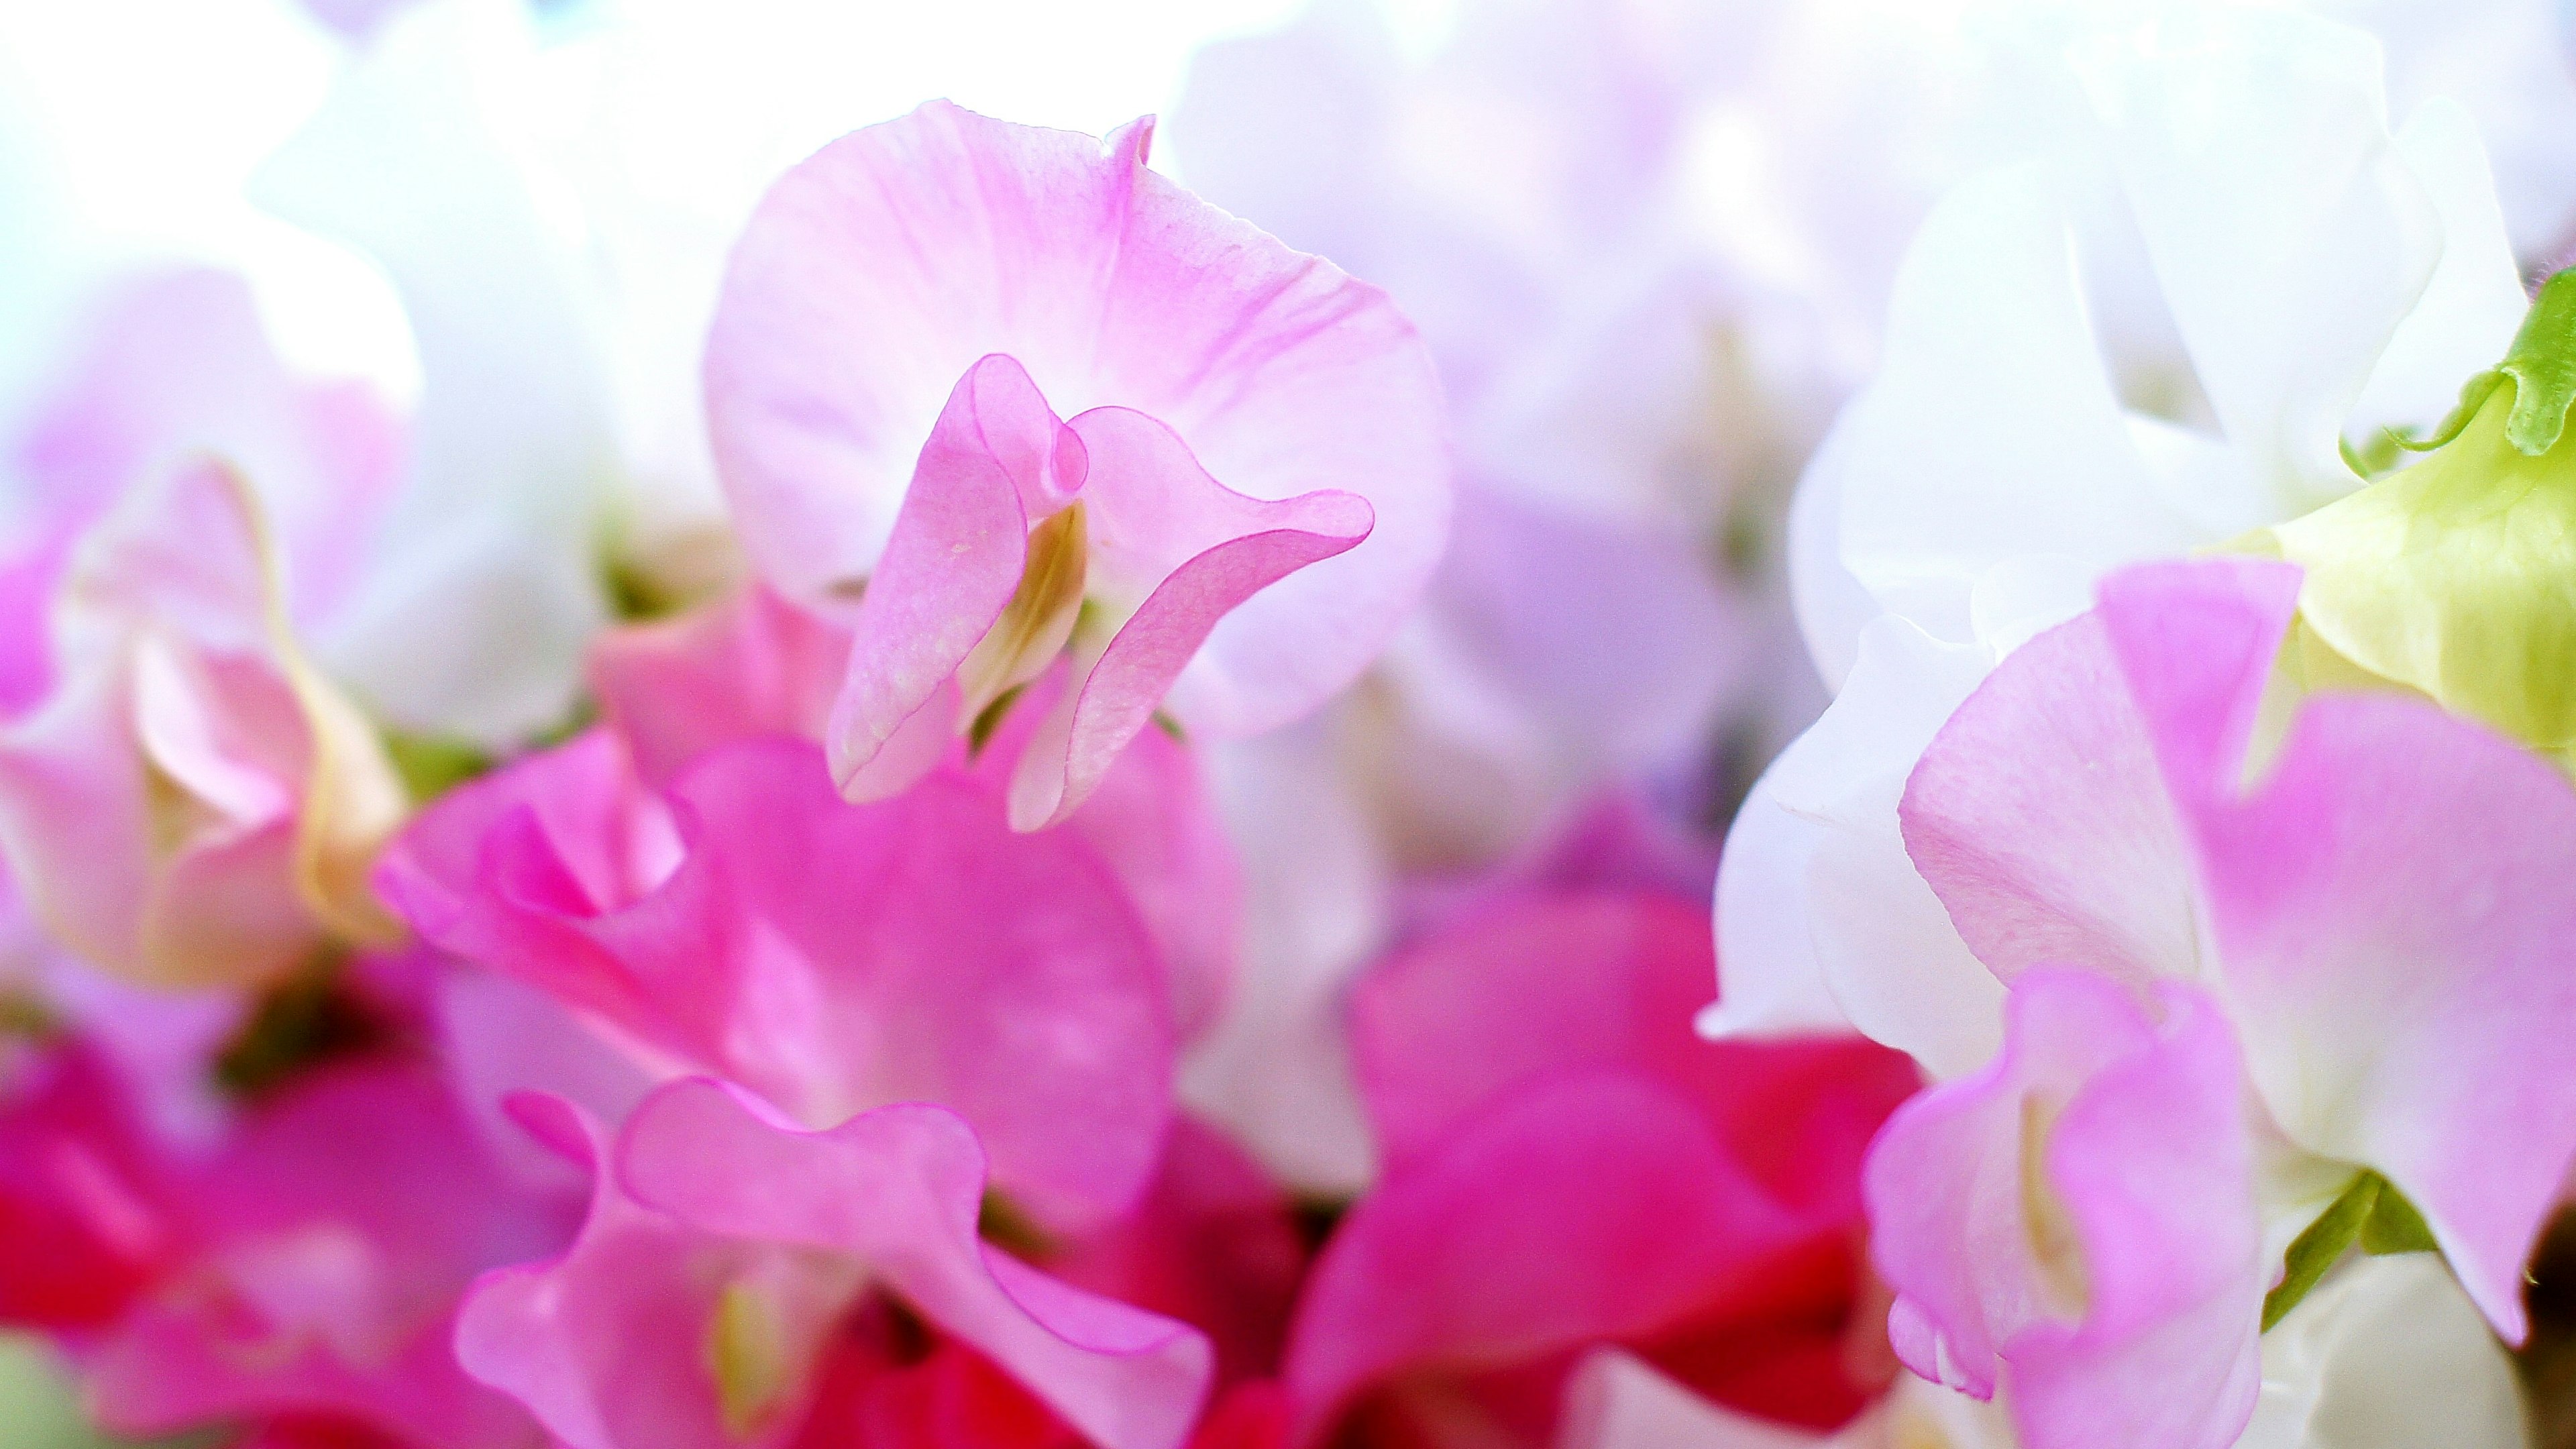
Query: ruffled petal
x=2076, y=1223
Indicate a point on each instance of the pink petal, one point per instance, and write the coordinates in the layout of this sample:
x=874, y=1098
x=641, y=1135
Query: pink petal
x=2077, y=1221
x=1594, y=1206
x=899, y=1189
x=876, y=273
x=1153, y=820
x=337, y=1232
x=835, y=957
x=949, y=567
x=1199, y=551
x=2393, y=911
x=1552, y=981
x=750, y=664
x=2039, y=818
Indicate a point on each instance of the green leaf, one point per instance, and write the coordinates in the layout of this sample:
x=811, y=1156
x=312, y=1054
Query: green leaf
x=2315, y=1250
x=2371, y=1212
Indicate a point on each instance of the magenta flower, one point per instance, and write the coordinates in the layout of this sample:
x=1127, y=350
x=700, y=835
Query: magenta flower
x=1571, y=1173
x=1252, y=487
x=754, y=664
x=834, y=958
x=303, y=1268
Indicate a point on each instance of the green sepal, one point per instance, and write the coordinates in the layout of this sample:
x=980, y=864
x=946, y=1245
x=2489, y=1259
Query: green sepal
x=2371, y=1212
x=2395, y=1226
x=2542, y=364
x=989, y=719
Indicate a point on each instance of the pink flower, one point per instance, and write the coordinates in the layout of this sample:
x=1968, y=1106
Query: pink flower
x=193, y=804
x=753, y=664
x=749, y=923
x=1252, y=488
x=307, y=1265
x=2080, y=1216
x=185, y=799
x=1570, y=1170
x=2363, y=939
x=744, y=1282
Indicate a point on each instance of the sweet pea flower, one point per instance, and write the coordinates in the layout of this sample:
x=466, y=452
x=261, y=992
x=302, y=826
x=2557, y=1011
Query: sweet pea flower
x=752, y=663
x=2247, y=969
x=745, y=921
x=195, y=804
x=743, y=1281
x=190, y=801
x=2445, y=578
x=1252, y=487
x=1531, y=1072
x=2134, y=345
x=302, y=1269
x=2386, y=1355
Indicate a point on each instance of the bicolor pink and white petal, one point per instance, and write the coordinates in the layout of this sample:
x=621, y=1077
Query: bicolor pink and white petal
x=1251, y=490
x=2377, y=895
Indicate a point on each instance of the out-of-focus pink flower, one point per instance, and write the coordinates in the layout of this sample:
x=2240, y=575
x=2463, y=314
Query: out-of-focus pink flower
x=87, y=1207
x=750, y=923
x=1252, y=489
x=2080, y=1216
x=193, y=804
x=741, y=1281
x=310, y=1267
x=1214, y=1243
x=165, y=734
x=1569, y=1169
x=752, y=663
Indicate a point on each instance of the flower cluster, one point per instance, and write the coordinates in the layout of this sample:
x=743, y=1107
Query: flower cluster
x=949, y=795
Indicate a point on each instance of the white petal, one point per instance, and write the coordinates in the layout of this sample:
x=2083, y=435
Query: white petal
x=2474, y=303
x=2289, y=233
x=1992, y=431
x=1821, y=834
x=2388, y=1355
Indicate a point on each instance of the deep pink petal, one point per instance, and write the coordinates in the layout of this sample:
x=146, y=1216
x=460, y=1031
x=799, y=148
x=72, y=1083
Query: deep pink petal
x=750, y=664
x=1153, y=820
x=835, y=957
x=2076, y=1223
x=1592, y=1206
x=1554, y=980
x=90, y=1212
x=1215, y=1243
x=337, y=1232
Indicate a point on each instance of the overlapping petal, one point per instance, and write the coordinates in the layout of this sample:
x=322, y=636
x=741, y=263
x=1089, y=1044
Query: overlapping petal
x=1108, y=286
x=740, y=1243
x=2077, y=1222
x=949, y=960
